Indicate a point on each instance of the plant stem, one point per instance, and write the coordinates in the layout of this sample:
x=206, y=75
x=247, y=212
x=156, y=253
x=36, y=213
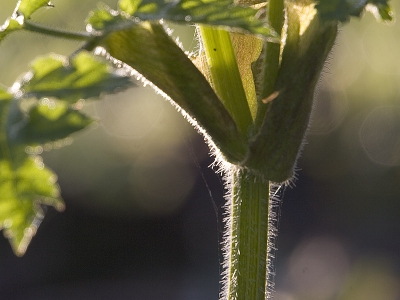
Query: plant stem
x=271, y=58
x=246, y=240
x=157, y=59
x=246, y=248
x=225, y=76
x=275, y=149
x=80, y=36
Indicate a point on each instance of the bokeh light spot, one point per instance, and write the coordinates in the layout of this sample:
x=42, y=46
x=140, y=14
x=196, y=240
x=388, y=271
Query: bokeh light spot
x=380, y=46
x=329, y=110
x=161, y=188
x=380, y=135
x=317, y=267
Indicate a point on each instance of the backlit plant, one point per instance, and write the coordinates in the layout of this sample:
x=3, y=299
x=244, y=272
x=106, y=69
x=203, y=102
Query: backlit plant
x=248, y=90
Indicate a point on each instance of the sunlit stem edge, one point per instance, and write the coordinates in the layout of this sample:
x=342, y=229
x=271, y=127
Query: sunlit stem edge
x=271, y=58
x=79, y=36
x=246, y=256
x=225, y=76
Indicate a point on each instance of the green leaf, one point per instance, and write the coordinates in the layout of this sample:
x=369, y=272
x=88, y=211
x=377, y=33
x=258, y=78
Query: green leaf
x=225, y=75
x=161, y=61
x=342, y=10
x=4, y=95
x=106, y=19
x=84, y=76
x=222, y=13
x=9, y=26
x=25, y=185
x=129, y=6
x=49, y=121
x=24, y=9
x=381, y=10
x=274, y=150
x=28, y=7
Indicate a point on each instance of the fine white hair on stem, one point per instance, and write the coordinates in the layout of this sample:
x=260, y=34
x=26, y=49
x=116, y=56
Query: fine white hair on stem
x=226, y=277
x=274, y=212
x=230, y=239
x=230, y=175
x=220, y=162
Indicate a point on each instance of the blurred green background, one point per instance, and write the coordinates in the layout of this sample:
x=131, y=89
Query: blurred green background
x=144, y=211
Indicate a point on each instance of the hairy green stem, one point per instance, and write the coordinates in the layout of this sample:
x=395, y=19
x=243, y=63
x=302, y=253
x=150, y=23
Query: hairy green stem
x=33, y=27
x=247, y=267
x=225, y=76
x=246, y=240
x=271, y=58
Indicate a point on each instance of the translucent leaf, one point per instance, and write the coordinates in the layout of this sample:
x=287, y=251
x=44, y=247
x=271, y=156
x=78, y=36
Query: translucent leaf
x=4, y=95
x=381, y=10
x=28, y=7
x=208, y=12
x=25, y=185
x=161, y=61
x=9, y=26
x=129, y=6
x=24, y=9
x=104, y=18
x=49, y=121
x=342, y=10
x=84, y=76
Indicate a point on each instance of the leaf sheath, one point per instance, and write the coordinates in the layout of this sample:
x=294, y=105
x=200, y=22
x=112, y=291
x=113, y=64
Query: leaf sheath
x=273, y=152
x=151, y=52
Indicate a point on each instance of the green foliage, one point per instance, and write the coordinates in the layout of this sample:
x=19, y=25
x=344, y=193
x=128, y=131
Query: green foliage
x=104, y=18
x=81, y=77
x=209, y=12
x=28, y=7
x=59, y=82
x=275, y=149
x=25, y=184
x=27, y=126
x=24, y=10
x=41, y=109
x=9, y=26
x=342, y=10
x=49, y=121
x=157, y=59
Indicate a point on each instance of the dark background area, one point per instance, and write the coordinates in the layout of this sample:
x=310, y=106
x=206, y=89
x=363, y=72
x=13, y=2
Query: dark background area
x=144, y=210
